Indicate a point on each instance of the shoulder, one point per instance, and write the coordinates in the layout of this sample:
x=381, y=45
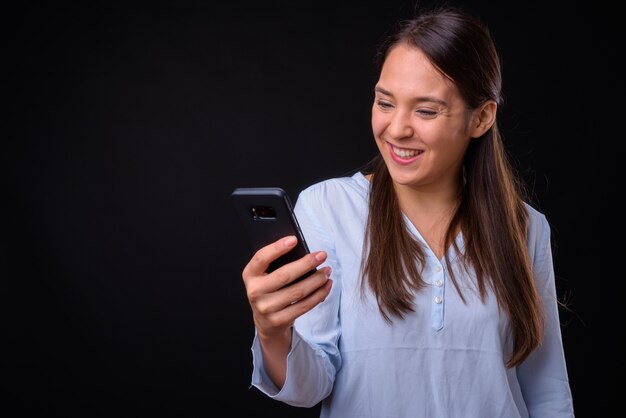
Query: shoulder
x=337, y=191
x=333, y=209
x=539, y=231
x=537, y=221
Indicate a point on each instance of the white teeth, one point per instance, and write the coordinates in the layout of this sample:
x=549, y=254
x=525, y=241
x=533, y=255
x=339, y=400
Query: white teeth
x=405, y=153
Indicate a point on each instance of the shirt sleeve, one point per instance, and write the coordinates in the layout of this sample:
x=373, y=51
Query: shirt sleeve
x=314, y=357
x=543, y=375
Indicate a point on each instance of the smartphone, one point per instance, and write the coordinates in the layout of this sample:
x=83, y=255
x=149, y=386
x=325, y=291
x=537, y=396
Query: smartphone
x=267, y=215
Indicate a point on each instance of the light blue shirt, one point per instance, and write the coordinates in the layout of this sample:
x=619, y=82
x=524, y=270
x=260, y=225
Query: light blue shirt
x=445, y=360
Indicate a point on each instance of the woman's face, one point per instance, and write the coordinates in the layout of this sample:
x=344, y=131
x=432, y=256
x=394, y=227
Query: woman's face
x=420, y=122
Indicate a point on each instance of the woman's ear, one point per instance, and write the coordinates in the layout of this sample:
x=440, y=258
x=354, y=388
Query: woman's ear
x=483, y=118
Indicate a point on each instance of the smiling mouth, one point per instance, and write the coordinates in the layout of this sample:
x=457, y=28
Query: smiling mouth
x=405, y=153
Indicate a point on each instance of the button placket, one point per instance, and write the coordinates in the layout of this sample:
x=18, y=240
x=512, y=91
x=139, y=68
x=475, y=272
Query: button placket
x=437, y=295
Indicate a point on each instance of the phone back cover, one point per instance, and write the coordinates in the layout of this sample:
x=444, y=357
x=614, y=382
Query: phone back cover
x=262, y=231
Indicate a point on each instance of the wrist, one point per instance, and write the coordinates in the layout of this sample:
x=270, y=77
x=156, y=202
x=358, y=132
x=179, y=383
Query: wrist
x=276, y=342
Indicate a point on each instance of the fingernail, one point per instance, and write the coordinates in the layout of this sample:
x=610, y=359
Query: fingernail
x=289, y=241
x=320, y=256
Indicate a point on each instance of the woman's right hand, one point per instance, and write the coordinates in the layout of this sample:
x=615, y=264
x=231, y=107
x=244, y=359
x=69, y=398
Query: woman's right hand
x=276, y=303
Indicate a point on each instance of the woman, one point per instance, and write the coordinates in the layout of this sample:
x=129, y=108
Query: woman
x=435, y=294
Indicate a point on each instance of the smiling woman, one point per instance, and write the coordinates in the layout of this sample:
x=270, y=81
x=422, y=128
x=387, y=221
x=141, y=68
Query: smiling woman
x=434, y=274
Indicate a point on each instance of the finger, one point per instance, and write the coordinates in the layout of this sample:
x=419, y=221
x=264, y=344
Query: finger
x=291, y=311
x=301, y=290
x=261, y=260
x=291, y=272
x=267, y=303
x=304, y=305
x=259, y=287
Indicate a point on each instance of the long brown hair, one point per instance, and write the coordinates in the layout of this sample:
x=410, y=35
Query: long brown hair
x=491, y=213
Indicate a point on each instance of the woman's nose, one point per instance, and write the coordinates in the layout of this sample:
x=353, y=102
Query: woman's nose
x=400, y=126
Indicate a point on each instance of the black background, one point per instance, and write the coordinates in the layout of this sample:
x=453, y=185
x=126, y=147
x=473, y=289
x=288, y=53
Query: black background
x=127, y=125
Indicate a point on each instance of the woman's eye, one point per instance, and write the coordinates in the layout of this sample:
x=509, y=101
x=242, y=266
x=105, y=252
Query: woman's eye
x=383, y=104
x=427, y=113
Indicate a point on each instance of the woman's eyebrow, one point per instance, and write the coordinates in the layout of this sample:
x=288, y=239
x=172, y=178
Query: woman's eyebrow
x=419, y=99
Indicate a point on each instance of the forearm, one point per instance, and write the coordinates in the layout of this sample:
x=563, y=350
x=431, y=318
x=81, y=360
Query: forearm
x=275, y=350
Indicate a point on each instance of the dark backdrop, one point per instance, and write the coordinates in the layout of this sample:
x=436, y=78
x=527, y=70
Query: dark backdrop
x=126, y=127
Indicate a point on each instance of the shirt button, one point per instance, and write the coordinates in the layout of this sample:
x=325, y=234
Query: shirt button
x=438, y=283
x=438, y=269
x=437, y=300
